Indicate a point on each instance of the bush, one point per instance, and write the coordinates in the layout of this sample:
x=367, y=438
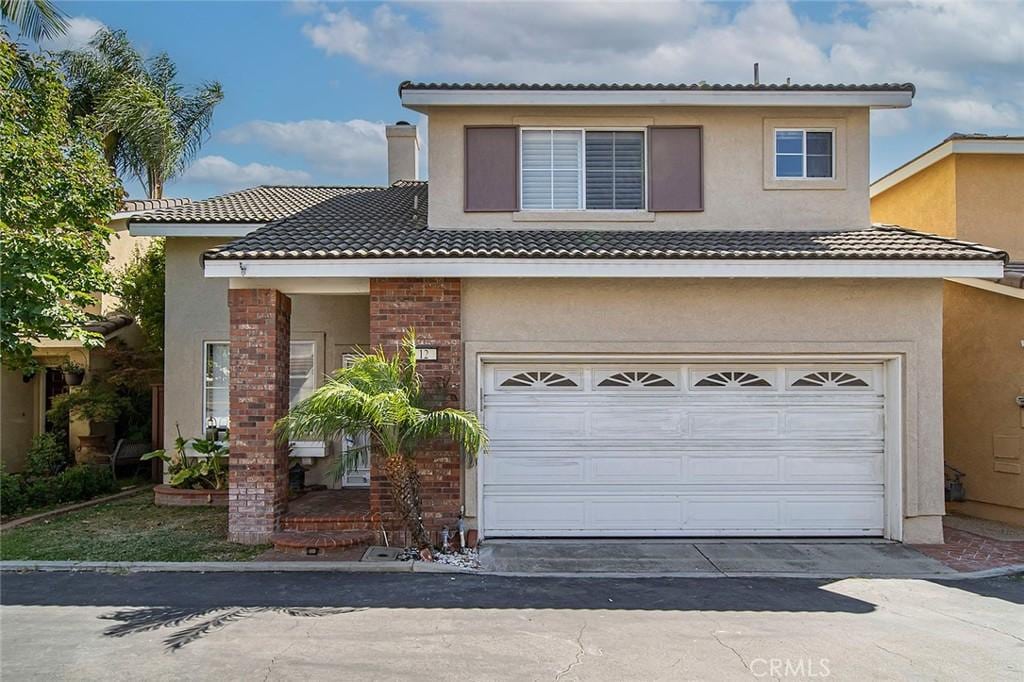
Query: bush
x=81, y=482
x=45, y=457
x=13, y=496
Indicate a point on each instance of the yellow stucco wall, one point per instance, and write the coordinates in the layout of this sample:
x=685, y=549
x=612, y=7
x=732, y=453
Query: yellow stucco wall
x=990, y=200
x=983, y=365
x=980, y=198
x=19, y=417
x=925, y=201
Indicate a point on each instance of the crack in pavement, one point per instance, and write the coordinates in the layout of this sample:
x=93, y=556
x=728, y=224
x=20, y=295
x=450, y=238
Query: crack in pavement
x=579, y=654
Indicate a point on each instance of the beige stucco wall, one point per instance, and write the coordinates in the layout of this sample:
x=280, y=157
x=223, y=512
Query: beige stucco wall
x=122, y=249
x=925, y=201
x=984, y=372
x=902, y=317
x=990, y=200
x=734, y=167
x=19, y=417
x=197, y=311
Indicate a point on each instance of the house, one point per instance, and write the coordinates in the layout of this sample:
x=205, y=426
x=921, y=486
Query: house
x=971, y=187
x=667, y=303
x=25, y=398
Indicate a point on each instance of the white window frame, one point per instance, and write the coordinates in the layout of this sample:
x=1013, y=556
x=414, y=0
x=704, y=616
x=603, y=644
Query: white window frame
x=203, y=384
x=316, y=365
x=803, y=154
x=581, y=197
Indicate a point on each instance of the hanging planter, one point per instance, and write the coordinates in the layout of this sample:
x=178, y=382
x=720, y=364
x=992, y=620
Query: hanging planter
x=74, y=373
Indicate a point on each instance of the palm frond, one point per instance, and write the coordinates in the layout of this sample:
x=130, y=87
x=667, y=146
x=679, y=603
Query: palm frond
x=461, y=426
x=35, y=19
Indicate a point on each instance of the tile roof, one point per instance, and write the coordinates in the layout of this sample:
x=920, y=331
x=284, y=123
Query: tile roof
x=391, y=223
x=130, y=205
x=262, y=204
x=723, y=87
x=1013, y=275
x=109, y=324
x=981, y=136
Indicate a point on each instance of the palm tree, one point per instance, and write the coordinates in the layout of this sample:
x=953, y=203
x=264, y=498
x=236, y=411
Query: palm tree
x=35, y=19
x=152, y=129
x=384, y=396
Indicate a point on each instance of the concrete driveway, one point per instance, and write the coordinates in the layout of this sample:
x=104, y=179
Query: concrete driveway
x=825, y=558
x=267, y=626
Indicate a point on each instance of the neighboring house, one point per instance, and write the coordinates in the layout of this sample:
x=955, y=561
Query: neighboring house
x=667, y=303
x=24, y=400
x=971, y=187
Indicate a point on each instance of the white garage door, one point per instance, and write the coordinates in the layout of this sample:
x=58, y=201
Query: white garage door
x=683, y=449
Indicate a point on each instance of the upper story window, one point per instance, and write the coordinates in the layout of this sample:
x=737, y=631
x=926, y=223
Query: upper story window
x=575, y=169
x=804, y=153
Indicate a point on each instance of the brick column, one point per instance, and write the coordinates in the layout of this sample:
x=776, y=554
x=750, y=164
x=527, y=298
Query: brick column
x=258, y=472
x=433, y=307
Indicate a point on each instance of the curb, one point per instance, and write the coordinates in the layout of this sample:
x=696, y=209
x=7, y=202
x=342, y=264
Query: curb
x=421, y=567
x=60, y=511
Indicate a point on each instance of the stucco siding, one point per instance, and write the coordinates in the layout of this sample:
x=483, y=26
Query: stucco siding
x=926, y=201
x=984, y=372
x=735, y=193
x=20, y=417
x=892, y=317
x=990, y=200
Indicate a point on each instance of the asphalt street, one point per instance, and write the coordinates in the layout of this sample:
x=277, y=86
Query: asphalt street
x=155, y=626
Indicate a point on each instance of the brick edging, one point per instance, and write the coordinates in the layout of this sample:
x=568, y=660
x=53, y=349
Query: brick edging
x=134, y=490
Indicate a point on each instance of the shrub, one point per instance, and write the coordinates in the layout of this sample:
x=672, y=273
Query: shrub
x=45, y=456
x=81, y=482
x=13, y=496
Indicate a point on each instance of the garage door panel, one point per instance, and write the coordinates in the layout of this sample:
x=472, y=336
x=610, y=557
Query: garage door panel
x=733, y=449
x=834, y=423
x=732, y=468
x=635, y=469
x=734, y=424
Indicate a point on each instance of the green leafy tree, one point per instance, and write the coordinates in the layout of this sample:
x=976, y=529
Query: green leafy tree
x=384, y=397
x=140, y=285
x=35, y=19
x=152, y=127
x=57, y=196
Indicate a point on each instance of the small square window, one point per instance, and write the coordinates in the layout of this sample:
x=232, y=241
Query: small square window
x=801, y=154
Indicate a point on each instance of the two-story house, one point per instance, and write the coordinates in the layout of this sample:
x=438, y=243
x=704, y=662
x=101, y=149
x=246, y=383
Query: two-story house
x=666, y=302
x=971, y=187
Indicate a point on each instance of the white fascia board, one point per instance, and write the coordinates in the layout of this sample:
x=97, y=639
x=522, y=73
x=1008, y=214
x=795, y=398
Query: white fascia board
x=560, y=267
x=419, y=100
x=938, y=153
x=192, y=229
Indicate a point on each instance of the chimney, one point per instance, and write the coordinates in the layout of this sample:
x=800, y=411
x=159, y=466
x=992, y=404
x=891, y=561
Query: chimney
x=403, y=152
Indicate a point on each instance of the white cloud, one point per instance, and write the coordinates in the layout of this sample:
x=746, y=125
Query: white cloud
x=965, y=57
x=342, y=149
x=228, y=175
x=80, y=32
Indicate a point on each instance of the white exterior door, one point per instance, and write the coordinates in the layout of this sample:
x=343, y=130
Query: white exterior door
x=741, y=449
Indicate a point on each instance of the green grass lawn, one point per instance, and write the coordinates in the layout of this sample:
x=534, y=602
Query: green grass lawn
x=129, y=529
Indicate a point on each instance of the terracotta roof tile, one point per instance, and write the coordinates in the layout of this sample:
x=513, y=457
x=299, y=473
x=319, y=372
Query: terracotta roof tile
x=254, y=205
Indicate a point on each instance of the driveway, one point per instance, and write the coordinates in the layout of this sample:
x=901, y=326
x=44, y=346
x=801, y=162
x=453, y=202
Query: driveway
x=91, y=626
x=823, y=558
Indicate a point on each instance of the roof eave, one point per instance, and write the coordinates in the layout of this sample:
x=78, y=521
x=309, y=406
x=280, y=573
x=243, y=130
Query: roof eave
x=421, y=100
x=191, y=229
x=849, y=268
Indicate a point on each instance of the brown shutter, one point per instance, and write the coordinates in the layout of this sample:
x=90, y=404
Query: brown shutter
x=675, y=164
x=492, y=168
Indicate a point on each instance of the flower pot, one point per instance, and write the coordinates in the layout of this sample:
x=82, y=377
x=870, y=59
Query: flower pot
x=74, y=378
x=89, y=447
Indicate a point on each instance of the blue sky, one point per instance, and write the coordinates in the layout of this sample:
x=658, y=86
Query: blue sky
x=308, y=85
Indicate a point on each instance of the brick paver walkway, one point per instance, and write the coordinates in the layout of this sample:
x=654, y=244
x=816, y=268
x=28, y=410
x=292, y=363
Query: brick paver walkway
x=965, y=551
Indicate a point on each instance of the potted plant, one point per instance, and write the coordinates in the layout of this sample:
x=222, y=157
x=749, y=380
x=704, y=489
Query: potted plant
x=97, y=403
x=74, y=373
x=193, y=479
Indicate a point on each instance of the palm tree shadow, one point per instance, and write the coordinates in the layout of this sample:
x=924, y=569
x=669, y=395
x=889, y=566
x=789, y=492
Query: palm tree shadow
x=193, y=624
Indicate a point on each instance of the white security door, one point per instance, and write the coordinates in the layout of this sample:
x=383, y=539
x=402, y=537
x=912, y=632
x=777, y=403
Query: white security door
x=739, y=449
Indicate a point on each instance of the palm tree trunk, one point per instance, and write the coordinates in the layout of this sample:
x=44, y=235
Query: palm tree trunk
x=404, y=481
x=156, y=185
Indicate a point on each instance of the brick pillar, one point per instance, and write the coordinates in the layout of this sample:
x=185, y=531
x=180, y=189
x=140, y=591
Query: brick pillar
x=433, y=307
x=258, y=472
